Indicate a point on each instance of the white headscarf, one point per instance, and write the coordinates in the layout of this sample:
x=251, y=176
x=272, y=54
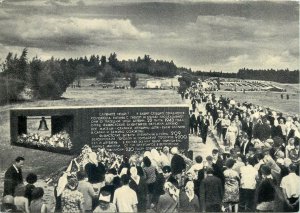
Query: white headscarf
x=109, y=178
x=155, y=155
x=174, y=150
x=92, y=158
x=134, y=175
x=155, y=158
x=123, y=172
x=165, y=160
x=189, y=190
x=62, y=182
x=172, y=190
x=147, y=154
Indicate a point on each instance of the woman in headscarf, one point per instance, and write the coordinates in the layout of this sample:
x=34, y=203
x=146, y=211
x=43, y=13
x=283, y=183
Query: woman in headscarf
x=139, y=185
x=109, y=186
x=188, y=200
x=165, y=157
x=105, y=204
x=168, y=202
x=72, y=200
x=275, y=169
x=155, y=158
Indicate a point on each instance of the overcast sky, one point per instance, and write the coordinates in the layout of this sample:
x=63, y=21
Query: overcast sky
x=220, y=35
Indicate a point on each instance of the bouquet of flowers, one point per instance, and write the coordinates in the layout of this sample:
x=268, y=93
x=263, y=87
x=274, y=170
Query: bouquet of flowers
x=58, y=140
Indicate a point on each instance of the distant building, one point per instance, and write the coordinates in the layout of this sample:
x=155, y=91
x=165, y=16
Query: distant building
x=153, y=84
x=162, y=83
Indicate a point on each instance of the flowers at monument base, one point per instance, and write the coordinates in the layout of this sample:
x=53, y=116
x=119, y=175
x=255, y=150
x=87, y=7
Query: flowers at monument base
x=87, y=155
x=59, y=140
x=109, y=160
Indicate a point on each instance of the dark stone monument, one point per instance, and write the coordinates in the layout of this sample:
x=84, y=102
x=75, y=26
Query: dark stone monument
x=128, y=129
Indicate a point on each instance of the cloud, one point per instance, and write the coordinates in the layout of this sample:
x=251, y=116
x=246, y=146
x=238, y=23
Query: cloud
x=58, y=32
x=113, y=28
x=58, y=3
x=207, y=36
x=264, y=60
x=229, y=43
x=240, y=28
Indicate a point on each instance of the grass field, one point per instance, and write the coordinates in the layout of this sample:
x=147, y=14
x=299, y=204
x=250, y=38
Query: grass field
x=267, y=99
x=44, y=163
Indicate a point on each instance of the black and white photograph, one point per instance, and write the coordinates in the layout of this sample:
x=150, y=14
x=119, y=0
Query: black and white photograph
x=157, y=106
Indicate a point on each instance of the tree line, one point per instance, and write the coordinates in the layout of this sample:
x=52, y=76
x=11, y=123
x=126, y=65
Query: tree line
x=145, y=65
x=49, y=79
x=281, y=76
x=40, y=79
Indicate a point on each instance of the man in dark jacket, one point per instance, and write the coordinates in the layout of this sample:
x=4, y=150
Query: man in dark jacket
x=214, y=113
x=200, y=121
x=265, y=191
x=208, y=107
x=245, y=144
x=262, y=130
x=211, y=193
x=13, y=176
x=193, y=102
x=217, y=165
x=247, y=126
x=193, y=124
x=178, y=164
x=204, y=131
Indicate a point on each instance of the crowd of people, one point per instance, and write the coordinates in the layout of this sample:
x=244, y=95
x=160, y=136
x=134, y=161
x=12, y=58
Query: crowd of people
x=256, y=170
x=254, y=141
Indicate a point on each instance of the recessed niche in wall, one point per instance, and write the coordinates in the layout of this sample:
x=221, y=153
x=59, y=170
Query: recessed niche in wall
x=45, y=132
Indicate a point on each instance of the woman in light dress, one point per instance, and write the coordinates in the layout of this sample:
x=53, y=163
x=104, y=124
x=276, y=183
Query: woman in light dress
x=225, y=123
x=232, y=180
x=231, y=134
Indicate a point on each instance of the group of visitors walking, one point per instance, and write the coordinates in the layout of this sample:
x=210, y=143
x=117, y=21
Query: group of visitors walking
x=258, y=170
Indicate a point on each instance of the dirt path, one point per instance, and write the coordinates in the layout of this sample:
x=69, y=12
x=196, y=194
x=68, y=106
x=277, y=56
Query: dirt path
x=195, y=143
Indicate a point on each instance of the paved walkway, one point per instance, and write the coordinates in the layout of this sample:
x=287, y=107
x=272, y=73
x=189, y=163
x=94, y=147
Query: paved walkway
x=195, y=142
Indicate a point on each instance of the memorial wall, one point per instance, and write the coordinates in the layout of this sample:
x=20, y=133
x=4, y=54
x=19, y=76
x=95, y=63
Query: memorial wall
x=128, y=129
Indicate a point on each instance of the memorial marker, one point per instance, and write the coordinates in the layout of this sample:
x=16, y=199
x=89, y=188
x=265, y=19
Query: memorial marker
x=128, y=129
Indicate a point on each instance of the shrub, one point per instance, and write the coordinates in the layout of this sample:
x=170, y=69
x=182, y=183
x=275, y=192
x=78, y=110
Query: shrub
x=10, y=90
x=107, y=75
x=133, y=80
